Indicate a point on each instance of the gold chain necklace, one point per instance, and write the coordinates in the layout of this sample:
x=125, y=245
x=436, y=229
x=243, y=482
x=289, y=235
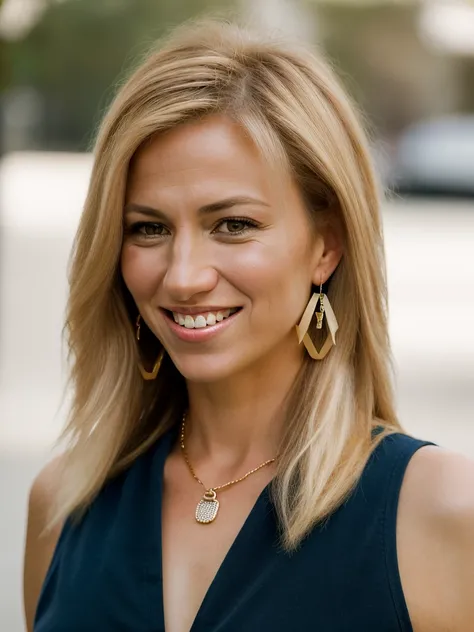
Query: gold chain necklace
x=208, y=506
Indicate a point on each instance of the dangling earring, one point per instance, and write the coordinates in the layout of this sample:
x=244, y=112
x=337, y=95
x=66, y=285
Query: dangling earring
x=320, y=314
x=138, y=326
x=149, y=375
x=303, y=326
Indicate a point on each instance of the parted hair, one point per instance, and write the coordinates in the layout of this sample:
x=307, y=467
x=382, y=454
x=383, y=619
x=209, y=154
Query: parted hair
x=290, y=102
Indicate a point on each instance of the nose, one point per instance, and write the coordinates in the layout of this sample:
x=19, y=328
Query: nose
x=189, y=271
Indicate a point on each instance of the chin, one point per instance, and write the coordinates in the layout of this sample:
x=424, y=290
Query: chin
x=208, y=370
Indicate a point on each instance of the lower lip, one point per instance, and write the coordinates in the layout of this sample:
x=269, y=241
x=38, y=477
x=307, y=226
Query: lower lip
x=202, y=333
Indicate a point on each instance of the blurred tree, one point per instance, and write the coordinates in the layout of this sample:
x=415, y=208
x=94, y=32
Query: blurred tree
x=386, y=64
x=79, y=49
x=3, y=83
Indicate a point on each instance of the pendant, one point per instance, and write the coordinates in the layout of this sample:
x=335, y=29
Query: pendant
x=207, y=508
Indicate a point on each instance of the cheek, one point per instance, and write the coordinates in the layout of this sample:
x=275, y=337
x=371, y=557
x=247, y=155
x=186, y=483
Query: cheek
x=248, y=268
x=141, y=271
x=271, y=274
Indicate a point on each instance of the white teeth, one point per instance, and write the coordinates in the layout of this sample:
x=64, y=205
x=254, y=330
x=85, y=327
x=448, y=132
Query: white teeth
x=199, y=322
x=211, y=319
x=189, y=322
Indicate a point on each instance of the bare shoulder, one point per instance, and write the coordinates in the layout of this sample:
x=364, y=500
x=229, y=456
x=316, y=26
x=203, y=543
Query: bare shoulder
x=435, y=540
x=39, y=545
x=441, y=483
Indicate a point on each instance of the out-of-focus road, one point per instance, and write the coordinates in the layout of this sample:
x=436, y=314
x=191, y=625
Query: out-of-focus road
x=430, y=256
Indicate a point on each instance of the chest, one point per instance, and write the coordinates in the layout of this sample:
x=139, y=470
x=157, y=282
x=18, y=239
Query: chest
x=195, y=554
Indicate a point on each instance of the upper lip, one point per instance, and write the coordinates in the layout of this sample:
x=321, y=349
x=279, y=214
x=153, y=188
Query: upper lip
x=201, y=309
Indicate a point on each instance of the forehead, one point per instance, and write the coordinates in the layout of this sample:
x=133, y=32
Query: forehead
x=207, y=153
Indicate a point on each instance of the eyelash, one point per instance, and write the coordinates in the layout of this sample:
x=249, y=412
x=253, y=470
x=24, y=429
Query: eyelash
x=135, y=228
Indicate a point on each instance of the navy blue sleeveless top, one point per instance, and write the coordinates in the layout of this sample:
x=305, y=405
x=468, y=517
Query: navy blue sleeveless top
x=106, y=574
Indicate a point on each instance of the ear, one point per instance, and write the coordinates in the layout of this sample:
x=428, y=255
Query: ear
x=331, y=235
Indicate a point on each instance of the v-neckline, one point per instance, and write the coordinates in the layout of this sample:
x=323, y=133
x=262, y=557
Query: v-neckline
x=261, y=503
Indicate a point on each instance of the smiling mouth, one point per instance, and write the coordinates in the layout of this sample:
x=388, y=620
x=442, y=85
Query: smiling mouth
x=203, y=320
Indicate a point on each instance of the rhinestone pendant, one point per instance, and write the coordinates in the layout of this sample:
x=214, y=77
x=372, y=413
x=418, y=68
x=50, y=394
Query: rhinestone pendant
x=207, y=508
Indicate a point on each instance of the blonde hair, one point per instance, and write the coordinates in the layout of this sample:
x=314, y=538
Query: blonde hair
x=291, y=104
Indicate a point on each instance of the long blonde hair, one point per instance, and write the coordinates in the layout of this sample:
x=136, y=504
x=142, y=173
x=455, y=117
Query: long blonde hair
x=290, y=102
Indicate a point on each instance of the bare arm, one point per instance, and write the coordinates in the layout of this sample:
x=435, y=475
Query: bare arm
x=435, y=536
x=39, y=550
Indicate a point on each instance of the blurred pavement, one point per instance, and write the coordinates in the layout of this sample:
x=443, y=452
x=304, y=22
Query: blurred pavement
x=430, y=246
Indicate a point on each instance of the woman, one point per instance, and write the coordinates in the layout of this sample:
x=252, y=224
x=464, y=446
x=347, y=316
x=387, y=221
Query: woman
x=234, y=460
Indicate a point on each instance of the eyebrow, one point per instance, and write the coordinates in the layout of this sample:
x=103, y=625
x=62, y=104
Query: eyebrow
x=213, y=207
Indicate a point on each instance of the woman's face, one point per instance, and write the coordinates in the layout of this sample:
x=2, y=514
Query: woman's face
x=213, y=242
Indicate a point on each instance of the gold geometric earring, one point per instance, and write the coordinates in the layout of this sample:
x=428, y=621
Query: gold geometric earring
x=149, y=375
x=320, y=314
x=303, y=325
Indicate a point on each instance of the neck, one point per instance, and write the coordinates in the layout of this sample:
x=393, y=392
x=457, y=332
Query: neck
x=238, y=423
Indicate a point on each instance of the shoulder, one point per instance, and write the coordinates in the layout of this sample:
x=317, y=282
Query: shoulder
x=40, y=544
x=45, y=483
x=442, y=483
x=435, y=534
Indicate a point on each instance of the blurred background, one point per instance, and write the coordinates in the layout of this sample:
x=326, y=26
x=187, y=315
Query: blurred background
x=408, y=64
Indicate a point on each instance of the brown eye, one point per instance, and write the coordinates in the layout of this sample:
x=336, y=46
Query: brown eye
x=235, y=226
x=152, y=229
x=148, y=230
